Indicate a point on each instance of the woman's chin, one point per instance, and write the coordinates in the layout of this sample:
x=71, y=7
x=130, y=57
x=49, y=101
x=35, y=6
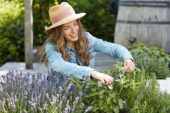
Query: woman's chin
x=74, y=39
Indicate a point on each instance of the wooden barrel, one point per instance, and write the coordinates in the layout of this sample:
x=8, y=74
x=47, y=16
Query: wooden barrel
x=143, y=21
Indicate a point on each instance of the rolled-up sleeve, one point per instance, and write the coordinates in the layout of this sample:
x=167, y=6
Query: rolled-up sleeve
x=58, y=64
x=108, y=48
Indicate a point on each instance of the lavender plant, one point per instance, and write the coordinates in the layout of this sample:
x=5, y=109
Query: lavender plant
x=26, y=93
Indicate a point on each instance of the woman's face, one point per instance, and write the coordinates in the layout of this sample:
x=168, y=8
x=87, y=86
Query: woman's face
x=71, y=30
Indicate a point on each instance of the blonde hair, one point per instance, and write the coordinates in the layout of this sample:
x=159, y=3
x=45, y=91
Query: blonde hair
x=57, y=37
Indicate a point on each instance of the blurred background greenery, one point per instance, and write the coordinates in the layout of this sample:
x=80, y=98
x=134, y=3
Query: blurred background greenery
x=100, y=21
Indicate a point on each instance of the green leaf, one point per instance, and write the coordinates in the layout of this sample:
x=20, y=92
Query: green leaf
x=108, y=100
x=113, y=95
x=101, y=92
x=120, y=103
x=92, y=94
x=116, y=110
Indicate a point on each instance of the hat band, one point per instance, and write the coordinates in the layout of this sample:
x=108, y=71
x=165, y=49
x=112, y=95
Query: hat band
x=62, y=15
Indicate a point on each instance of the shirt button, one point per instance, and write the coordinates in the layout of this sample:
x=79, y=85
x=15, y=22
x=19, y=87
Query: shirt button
x=87, y=78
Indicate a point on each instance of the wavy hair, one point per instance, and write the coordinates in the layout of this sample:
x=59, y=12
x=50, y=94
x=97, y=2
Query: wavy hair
x=57, y=37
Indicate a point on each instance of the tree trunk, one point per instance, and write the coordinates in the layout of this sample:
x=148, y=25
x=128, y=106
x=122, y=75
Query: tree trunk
x=28, y=34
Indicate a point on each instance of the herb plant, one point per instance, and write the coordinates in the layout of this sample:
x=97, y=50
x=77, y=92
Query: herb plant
x=152, y=59
x=133, y=93
x=30, y=94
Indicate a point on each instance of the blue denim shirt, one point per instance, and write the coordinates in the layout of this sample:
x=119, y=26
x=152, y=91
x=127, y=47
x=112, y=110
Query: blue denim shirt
x=60, y=69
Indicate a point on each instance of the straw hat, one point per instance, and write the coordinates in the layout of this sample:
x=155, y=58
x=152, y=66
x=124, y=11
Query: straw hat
x=61, y=14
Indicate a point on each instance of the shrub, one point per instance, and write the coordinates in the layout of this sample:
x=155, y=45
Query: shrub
x=12, y=32
x=41, y=19
x=152, y=59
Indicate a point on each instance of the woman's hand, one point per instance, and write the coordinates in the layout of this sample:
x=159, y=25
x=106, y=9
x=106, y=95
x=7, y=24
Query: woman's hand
x=106, y=79
x=129, y=65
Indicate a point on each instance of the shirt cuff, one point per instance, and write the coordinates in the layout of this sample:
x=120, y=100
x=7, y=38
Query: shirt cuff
x=88, y=74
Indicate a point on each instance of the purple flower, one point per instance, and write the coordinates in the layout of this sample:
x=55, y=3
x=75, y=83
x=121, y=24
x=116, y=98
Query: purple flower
x=33, y=77
x=25, y=92
x=68, y=108
x=70, y=98
x=26, y=78
x=39, y=76
x=68, y=88
x=60, y=104
x=13, y=106
x=74, y=103
x=47, y=95
x=32, y=92
x=25, y=111
x=28, y=74
x=60, y=89
x=40, y=108
x=81, y=93
x=33, y=104
x=45, y=106
x=36, y=99
x=53, y=89
x=88, y=109
x=64, y=97
x=54, y=98
x=1, y=103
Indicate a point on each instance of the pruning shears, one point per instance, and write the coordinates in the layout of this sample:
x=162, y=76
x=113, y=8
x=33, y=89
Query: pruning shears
x=116, y=79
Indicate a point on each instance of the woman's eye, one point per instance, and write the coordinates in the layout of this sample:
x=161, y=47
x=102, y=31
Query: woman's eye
x=66, y=28
x=75, y=23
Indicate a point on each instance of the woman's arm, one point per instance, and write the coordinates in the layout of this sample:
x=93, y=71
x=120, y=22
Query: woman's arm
x=58, y=64
x=111, y=49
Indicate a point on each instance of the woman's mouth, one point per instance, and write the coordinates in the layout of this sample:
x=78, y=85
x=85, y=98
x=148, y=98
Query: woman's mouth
x=74, y=36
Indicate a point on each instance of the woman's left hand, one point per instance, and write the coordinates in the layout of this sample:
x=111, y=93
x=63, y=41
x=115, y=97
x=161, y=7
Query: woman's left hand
x=129, y=65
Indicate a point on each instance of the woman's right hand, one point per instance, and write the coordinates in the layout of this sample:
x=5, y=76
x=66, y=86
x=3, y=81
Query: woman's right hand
x=106, y=79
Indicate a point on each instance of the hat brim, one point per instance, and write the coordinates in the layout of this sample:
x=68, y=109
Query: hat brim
x=65, y=20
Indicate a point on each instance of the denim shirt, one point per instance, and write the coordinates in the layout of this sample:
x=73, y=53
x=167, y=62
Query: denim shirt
x=60, y=69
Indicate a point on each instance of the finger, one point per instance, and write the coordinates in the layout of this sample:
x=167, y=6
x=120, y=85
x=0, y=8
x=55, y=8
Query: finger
x=103, y=82
x=130, y=67
x=109, y=79
x=127, y=70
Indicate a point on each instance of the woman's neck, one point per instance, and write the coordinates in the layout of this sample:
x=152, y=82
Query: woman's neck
x=71, y=44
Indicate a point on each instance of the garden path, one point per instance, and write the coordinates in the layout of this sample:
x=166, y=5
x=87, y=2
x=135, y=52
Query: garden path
x=102, y=62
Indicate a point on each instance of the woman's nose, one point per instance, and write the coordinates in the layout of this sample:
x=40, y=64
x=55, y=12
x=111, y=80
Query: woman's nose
x=73, y=29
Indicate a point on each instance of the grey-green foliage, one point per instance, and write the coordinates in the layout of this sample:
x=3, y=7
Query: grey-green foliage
x=152, y=59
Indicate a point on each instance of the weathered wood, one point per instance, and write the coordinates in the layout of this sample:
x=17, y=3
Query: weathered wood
x=28, y=34
x=146, y=22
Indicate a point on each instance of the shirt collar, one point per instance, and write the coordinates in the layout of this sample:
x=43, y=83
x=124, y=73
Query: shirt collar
x=68, y=48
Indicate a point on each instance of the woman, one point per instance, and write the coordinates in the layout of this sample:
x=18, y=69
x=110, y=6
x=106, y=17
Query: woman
x=70, y=51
